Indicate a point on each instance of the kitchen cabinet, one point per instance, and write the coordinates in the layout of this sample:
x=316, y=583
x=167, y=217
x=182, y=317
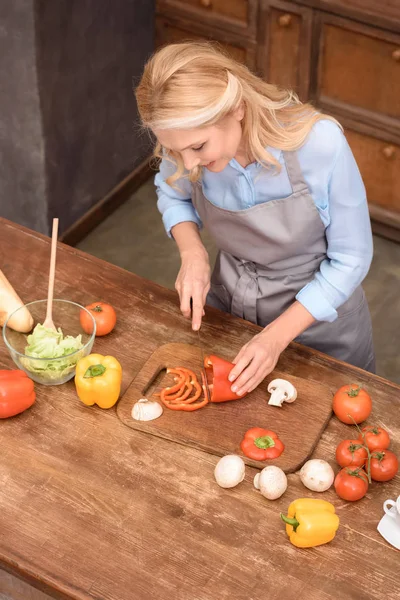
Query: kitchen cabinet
x=341, y=55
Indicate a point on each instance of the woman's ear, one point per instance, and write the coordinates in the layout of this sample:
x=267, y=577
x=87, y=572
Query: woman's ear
x=238, y=113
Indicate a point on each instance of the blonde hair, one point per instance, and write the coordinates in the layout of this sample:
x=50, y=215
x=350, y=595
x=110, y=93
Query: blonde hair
x=194, y=84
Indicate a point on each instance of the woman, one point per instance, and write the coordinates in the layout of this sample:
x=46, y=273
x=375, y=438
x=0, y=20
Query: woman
x=276, y=185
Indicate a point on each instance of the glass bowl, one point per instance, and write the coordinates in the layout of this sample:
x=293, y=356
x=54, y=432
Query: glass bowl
x=50, y=371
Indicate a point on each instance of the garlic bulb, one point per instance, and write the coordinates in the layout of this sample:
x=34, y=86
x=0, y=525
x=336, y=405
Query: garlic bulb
x=229, y=471
x=146, y=410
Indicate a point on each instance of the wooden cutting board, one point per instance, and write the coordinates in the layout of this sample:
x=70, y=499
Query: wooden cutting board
x=219, y=428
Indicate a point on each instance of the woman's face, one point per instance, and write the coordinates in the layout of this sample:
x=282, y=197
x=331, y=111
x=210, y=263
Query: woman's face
x=210, y=147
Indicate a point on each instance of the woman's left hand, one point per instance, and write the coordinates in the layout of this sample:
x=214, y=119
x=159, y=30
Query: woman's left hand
x=255, y=361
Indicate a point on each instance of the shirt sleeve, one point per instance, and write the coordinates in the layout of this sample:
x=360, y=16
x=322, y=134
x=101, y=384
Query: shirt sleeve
x=174, y=203
x=349, y=238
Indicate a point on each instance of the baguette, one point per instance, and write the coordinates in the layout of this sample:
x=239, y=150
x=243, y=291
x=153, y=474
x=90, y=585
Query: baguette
x=9, y=302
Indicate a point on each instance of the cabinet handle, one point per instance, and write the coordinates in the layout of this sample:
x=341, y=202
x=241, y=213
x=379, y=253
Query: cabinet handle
x=206, y=3
x=396, y=55
x=285, y=20
x=389, y=151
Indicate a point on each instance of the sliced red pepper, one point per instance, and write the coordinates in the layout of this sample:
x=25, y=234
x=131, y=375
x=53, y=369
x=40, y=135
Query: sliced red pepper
x=217, y=372
x=206, y=390
x=187, y=406
x=17, y=392
x=184, y=401
x=261, y=444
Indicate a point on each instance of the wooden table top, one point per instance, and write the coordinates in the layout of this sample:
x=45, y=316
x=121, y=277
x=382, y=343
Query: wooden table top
x=91, y=509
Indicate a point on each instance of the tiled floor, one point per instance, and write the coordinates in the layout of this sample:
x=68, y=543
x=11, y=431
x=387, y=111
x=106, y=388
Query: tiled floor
x=133, y=237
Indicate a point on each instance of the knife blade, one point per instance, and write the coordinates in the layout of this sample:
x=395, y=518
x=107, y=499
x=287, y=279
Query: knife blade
x=201, y=348
x=203, y=372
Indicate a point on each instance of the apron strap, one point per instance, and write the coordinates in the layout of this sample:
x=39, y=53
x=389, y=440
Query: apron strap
x=294, y=171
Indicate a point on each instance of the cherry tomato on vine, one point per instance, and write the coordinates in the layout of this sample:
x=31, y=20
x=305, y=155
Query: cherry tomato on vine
x=351, y=453
x=351, y=484
x=104, y=315
x=384, y=465
x=374, y=437
x=352, y=404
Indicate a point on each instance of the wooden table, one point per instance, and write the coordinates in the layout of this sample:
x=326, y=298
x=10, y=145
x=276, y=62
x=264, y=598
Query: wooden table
x=91, y=509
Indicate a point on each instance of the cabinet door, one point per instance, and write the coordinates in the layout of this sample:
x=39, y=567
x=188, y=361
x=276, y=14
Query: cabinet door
x=179, y=30
x=285, y=51
x=379, y=164
x=239, y=16
x=359, y=72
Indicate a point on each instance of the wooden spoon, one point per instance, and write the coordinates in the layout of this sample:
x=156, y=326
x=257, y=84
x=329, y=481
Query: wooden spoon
x=48, y=322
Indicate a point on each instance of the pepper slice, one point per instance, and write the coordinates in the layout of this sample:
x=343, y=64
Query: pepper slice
x=182, y=399
x=179, y=385
x=217, y=373
x=261, y=444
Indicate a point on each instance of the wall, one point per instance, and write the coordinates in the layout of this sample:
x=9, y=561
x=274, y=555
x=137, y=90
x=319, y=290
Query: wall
x=68, y=123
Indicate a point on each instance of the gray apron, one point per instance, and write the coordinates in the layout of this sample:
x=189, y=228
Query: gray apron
x=267, y=253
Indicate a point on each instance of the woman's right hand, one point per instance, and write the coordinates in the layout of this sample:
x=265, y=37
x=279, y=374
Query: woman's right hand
x=193, y=283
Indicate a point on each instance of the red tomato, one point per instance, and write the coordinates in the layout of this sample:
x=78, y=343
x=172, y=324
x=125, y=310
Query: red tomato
x=384, y=465
x=351, y=484
x=104, y=315
x=374, y=437
x=351, y=453
x=351, y=402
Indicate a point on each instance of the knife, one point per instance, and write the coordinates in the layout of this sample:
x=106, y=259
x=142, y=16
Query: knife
x=203, y=371
x=201, y=348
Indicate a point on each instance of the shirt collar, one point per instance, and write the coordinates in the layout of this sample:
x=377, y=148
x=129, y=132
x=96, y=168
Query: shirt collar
x=275, y=152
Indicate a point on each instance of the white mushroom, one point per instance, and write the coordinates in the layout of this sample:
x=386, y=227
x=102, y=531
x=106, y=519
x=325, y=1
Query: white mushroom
x=272, y=482
x=317, y=475
x=281, y=391
x=146, y=410
x=229, y=471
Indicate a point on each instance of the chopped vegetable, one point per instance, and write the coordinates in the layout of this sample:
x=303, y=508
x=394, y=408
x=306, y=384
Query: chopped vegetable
x=217, y=372
x=272, y=482
x=146, y=410
x=17, y=392
x=229, y=471
x=317, y=475
x=310, y=522
x=9, y=302
x=352, y=404
x=186, y=393
x=261, y=444
x=281, y=391
x=49, y=343
x=104, y=315
x=98, y=380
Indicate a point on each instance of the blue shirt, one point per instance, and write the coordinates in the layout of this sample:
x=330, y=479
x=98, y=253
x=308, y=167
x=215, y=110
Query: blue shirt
x=335, y=184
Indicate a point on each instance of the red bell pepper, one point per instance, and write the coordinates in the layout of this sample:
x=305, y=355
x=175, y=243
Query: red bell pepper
x=261, y=444
x=17, y=392
x=217, y=371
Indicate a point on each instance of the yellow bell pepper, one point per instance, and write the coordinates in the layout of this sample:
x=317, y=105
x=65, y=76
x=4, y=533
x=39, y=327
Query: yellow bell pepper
x=310, y=522
x=98, y=380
